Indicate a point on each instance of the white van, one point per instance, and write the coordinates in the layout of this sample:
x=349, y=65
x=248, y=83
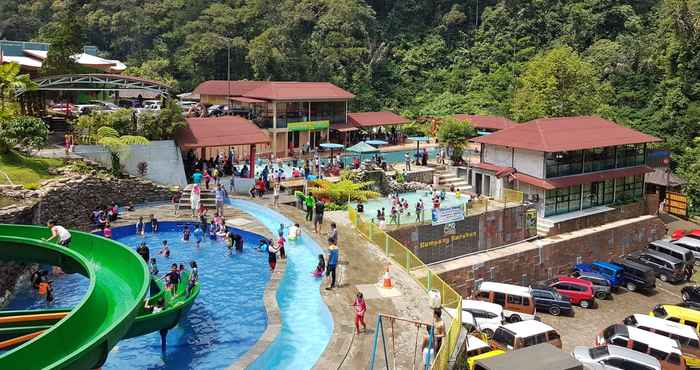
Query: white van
x=485, y=316
x=516, y=300
x=664, y=349
x=524, y=334
x=686, y=336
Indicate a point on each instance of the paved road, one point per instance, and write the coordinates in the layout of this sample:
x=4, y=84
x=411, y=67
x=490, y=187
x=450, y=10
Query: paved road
x=582, y=329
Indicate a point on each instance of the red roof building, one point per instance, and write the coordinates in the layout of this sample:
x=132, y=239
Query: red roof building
x=289, y=91
x=564, y=165
x=371, y=119
x=485, y=123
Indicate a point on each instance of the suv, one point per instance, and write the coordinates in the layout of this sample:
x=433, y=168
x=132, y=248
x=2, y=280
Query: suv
x=616, y=357
x=637, y=276
x=666, y=267
x=690, y=243
x=691, y=294
x=549, y=300
x=601, y=285
x=579, y=291
x=683, y=254
x=608, y=270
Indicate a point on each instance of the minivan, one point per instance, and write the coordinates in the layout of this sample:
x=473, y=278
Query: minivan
x=682, y=315
x=686, y=337
x=637, y=276
x=664, y=349
x=690, y=243
x=683, y=254
x=666, y=267
x=516, y=300
x=486, y=316
x=616, y=357
x=524, y=334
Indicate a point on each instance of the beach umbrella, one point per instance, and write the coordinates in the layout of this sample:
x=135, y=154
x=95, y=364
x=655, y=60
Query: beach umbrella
x=331, y=146
x=376, y=142
x=418, y=140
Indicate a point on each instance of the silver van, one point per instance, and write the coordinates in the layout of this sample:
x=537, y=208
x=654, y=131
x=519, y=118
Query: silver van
x=616, y=357
x=683, y=254
x=692, y=244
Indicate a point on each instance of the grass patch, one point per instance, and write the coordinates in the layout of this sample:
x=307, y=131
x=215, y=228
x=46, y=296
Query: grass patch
x=26, y=170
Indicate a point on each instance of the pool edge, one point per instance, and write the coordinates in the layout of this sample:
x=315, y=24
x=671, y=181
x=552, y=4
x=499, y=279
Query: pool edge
x=274, y=321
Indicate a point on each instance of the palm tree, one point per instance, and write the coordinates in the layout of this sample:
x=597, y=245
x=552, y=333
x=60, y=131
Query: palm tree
x=10, y=81
x=110, y=138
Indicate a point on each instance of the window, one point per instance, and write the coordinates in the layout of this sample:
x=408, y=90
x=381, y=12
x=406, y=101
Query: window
x=484, y=295
x=599, y=159
x=541, y=338
x=629, y=188
x=640, y=347
x=563, y=200
x=674, y=319
x=674, y=358
x=564, y=163
x=553, y=335
x=514, y=299
x=526, y=301
x=660, y=355
x=499, y=298
x=622, y=342
x=692, y=324
x=620, y=363
x=504, y=337
x=630, y=155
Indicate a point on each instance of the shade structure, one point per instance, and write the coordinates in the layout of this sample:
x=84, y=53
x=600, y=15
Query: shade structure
x=376, y=142
x=331, y=146
x=220, y=131
x=362, y=148
x=419, y=138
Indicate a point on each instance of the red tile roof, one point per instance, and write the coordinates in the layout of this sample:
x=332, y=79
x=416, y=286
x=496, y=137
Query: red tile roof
x=275, y=90
x=566, y=181
x=485, y=122
x=343, y=127
x=220, y=131
x=566, y=133
x=369, y=119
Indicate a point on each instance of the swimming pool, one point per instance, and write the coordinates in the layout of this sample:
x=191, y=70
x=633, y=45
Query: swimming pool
x=307, y=324
x=225, y=322
x=409, y=217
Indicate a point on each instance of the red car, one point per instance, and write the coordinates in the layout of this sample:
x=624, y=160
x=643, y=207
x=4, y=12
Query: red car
x=579, y=291
x=695, y=233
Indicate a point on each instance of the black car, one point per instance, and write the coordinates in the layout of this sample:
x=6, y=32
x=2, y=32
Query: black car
x=549, y=300
x=666, y=267
x=636, y=276
x=691, y=294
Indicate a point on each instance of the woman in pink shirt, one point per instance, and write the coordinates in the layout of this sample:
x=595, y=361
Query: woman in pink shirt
x=360, y=309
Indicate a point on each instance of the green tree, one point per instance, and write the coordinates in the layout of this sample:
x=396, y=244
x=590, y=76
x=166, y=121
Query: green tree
x=162, y=125
x=557, y=83
x=689, y=169
x=455, y=134
x=29, y=132
x=66, y=36
x=11, y=80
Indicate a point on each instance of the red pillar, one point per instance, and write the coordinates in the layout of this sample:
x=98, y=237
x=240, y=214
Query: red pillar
x=252, y=161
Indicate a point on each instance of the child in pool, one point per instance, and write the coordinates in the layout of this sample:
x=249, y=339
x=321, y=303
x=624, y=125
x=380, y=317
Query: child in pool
x=140, y=227
x=164, y=250
x=320, y=268
x=280, y=247
x=238, y=242
x=198, y=235
x=212, y=230
x=186, y=233
x=153, y=269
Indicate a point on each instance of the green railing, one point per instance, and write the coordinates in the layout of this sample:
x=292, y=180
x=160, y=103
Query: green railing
x=422, y=274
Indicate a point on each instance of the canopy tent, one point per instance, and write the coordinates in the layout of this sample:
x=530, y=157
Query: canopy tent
x=362, y=148
x=331, y=146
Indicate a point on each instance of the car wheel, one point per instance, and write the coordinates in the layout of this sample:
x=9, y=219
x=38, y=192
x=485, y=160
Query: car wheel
x=514, y=318
x=685, y=296
x=554, y=310
x=601, y=295
x=664, y=278
x=631, y=287
x=488, y=333
x=585, y=304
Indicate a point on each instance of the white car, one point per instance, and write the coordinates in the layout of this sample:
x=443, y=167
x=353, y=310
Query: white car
x=105, y=105
x=484, y=316
x=613, y=357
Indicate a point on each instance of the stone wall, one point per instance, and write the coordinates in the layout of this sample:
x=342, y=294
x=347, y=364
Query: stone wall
x=421, y=175
x=622, y=212
x=533, y=261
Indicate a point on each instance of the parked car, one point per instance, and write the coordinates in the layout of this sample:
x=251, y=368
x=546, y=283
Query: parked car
x=87, y=108
x=682, y=315
x=690, y=243
x=695, y=233
x=683, y=254
x=538, y=357
x=516, y=300
x=616, y=357
x=612, y=272
x=636, y=276
x=477, y=350
x=524, y=334
x=684, y=335
x=485, y=316
x=666, y=267
x=106, y=106
x=691, y=293
x=549, y=300
x=601, y=285
x=62, y=109
x=579, y=291
x=666, y=350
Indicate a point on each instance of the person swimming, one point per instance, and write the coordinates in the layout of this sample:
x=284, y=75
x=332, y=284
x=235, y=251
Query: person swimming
x=198, y=235
x=186, y=233
x=321, y=267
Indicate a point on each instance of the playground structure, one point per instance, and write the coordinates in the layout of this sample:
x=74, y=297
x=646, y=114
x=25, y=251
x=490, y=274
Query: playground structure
x=387, y=322
x=112, y=309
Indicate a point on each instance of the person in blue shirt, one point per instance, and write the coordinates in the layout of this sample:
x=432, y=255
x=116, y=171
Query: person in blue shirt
x=332, y=264
x=197, y=177
x=198, y=233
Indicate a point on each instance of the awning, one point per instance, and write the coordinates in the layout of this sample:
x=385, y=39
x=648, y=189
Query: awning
x=242, y=99
x=370, y=119
x=661, y=177
x=343, y=127
x=565, y=181
x=220, y=131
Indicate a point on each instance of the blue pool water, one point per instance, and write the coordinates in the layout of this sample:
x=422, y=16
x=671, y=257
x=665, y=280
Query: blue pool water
x=307, y=324
x=371, y=206
x=224, y=323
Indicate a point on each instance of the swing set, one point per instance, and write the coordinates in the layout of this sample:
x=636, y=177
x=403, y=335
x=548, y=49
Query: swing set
x=390, y=320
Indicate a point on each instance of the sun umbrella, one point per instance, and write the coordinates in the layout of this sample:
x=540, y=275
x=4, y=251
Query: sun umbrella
x=376, y=142
x=418, y=140
x=331, y=146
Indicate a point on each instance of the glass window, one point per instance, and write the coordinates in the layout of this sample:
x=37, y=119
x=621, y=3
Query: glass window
x=503, y=336
x=630, y=155
x=640, y=347
x=514, y=299
x=563, y=200
x=599, y=159
x=499, y=298
x=629, y=188
x=564, y=163
x=692, y=324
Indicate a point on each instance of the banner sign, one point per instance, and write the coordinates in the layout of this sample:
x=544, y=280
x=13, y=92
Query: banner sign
x=531, y=221
x=447, y=215
x=308, y=126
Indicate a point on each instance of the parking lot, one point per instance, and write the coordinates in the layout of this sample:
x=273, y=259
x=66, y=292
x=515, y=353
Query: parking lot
x=582, y=328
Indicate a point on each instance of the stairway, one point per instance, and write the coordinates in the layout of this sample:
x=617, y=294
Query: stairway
x=544, y=226
x=448, y=178
x=206, y=197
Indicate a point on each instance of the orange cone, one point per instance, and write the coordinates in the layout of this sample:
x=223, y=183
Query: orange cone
x=387, y=278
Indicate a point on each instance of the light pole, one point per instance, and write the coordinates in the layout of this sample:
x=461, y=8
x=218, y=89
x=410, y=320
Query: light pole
x=228, y=70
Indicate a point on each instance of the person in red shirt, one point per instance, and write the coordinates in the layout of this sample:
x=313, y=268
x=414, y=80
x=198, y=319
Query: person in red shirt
x=360, y=309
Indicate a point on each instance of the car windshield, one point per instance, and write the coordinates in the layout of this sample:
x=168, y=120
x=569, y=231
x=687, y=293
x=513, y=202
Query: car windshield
x=598, y=352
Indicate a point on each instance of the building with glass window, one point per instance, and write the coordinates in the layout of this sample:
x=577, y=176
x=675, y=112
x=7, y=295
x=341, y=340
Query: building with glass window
x=564, y=165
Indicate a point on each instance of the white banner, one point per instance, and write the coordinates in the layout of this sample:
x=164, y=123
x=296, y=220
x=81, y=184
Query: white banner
x=447, y=215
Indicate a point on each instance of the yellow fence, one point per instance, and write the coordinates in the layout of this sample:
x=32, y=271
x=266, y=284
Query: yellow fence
x=422, y=274
x=513, y=196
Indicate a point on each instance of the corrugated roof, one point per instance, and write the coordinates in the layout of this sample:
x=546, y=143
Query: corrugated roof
x=663, y=178
x=369, y=119
x=565, y=181
x=485, y=122
x=275, y=90
x=343, y=127
x=565, y=134
x=220, y=131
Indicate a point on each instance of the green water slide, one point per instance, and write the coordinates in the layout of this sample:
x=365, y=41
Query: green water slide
x=82, y=339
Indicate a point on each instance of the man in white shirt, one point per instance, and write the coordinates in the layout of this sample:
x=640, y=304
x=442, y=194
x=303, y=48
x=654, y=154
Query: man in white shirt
x=59, y=233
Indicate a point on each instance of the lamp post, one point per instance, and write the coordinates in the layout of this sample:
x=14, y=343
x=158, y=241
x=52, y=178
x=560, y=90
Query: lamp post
x=228, y=70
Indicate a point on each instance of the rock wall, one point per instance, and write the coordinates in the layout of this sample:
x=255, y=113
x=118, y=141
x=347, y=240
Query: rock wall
x=621, y=212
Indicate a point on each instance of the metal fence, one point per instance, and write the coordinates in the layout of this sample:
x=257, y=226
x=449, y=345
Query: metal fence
x=422, y=274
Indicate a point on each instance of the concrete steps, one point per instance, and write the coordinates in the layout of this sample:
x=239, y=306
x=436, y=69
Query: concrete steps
x=447, y=178
x=206, y=197
x=543, y=227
